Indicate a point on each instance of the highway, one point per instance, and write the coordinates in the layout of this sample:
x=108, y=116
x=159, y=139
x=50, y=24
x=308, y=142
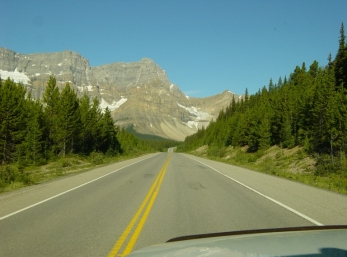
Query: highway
x=116, y=209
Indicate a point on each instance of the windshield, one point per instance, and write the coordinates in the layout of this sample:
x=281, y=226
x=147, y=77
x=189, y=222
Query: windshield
x=124, y=124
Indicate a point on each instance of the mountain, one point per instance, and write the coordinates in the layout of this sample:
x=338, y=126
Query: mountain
x=139, y=94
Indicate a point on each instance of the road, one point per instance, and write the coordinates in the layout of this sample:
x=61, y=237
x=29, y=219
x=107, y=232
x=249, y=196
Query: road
x=125, y=206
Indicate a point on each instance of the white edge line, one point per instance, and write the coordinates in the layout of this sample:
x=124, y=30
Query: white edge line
x=267, y=197
x=50, y=198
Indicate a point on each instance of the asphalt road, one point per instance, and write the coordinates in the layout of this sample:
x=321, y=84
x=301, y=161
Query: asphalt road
x=148, y=200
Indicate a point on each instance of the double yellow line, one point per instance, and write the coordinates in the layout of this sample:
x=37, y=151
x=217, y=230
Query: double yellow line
x=150, y=198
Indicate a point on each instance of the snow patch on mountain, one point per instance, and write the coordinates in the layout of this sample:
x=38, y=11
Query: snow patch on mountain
x=120, y=102
x=192, y=123
x=115, y=105
x=16, y=76
x=199, y=115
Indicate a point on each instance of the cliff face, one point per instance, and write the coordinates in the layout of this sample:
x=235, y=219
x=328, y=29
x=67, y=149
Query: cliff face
x=66, y=66
x=139, y=94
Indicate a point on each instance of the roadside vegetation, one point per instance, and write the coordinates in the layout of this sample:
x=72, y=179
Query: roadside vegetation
x=59, y=135
x=291, y=163
x=306, y=112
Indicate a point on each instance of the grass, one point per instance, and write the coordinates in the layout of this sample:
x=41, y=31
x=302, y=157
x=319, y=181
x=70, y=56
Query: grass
x=293, y=164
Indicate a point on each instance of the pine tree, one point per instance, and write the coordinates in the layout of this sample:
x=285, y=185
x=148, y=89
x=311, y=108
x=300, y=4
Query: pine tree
x=128, y=142
x=323, y=112
x=95, y=117
x=33, y=142
x=285, y=81
x=233, y=121
x=279, y=83
x=330, y=62
x=314, y=69
x=241, y=132
x=264, y=133
x=271, y=86
x=286, y=133
x=109, y=142
x=51, y=109
x=69, y=120
x=86, y=125
x=12, y=122
x=341, y=99
x=246, y=94
x=341, y=61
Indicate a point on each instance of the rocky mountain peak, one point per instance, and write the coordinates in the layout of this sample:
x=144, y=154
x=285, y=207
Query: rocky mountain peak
x=147, y=60
x=139, y=94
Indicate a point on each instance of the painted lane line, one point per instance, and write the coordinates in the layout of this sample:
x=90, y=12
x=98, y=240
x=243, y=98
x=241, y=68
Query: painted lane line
x=67, y=191
x=128, y=229
x=149, y=197
x=265, y=196
x=138, y=230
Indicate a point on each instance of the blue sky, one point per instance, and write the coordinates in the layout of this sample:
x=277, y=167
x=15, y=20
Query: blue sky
x=205, y=47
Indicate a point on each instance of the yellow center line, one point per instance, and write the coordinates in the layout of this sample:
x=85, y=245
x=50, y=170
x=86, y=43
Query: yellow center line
x=137, y=232
x=155, y=187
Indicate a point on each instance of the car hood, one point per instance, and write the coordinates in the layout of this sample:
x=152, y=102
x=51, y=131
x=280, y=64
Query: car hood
x=311, y=242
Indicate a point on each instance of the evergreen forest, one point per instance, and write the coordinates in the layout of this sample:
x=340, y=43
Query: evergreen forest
x=307, y=109
x=58, y=128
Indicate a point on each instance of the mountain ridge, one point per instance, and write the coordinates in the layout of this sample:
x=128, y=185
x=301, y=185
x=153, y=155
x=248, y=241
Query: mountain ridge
x=139, y=94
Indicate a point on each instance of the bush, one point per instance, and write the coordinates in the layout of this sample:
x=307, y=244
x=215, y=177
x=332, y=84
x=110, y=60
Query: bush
x=269, y=167
x=252, y=158
x=301, y=154
x=64, y=163
x=10, y=174
x=111, y=153
x=217, y=151
x=96, y=158
x=241, y=157
x=326, y=166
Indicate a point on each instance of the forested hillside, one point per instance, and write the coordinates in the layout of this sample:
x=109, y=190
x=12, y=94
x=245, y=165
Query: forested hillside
x=36, y=132
x=33, y=132
x=307, y=109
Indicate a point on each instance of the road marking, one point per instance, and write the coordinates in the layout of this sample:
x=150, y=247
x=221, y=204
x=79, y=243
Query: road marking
x=267, y=197
x=150, y=198
x=145, y=215
x=67, y=191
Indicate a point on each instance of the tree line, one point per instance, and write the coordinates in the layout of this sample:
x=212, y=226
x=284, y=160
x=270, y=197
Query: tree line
x=34, y=131
x=307, y=109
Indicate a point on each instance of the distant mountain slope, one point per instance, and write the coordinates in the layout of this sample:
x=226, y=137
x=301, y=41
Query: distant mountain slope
x=139, y=94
